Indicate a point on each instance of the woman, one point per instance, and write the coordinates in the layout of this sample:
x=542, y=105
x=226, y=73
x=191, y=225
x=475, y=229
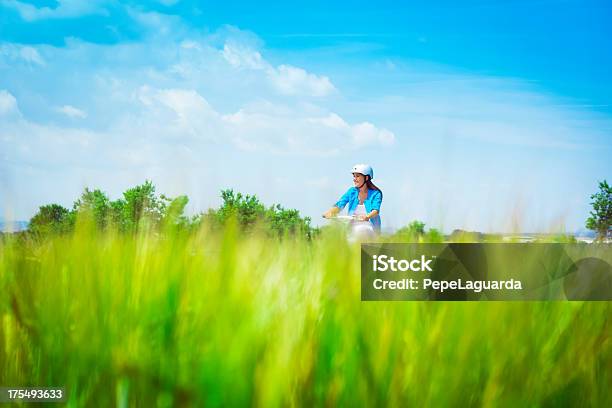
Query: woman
x=364, y=200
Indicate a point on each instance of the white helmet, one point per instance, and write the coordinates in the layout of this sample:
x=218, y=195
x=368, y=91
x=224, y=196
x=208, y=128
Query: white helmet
x=364, y=169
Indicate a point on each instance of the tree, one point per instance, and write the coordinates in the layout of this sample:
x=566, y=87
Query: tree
x=282, y=221
x=141, y=203
x=115, y=214
x=434, y=236
x=174, y=214
x=601, y=216
x=249, y=212
x=413, y=230
x=246, y=208
x=50, y=218
x=95, y=203
x=138, y=203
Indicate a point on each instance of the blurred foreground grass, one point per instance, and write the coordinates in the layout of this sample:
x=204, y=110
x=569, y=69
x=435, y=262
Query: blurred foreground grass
x=212, y=319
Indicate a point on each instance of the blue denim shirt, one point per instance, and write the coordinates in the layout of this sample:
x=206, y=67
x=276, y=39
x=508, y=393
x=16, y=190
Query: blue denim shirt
x=372, y=202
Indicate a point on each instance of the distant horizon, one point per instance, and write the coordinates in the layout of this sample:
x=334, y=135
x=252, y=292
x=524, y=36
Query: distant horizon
x=23, y=225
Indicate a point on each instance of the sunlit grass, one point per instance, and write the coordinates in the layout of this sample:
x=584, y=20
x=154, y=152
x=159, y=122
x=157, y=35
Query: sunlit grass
x=222, y=319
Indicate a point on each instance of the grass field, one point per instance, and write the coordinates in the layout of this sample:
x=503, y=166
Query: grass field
x=206, y=319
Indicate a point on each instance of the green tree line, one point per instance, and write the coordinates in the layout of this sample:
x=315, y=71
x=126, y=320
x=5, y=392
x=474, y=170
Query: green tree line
x=600, y=219
x=141, y=206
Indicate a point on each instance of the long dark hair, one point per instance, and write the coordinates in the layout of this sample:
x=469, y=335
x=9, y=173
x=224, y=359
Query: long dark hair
x=371, y=185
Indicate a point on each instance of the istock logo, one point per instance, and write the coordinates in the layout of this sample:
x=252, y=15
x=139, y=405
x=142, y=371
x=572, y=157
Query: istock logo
x=383, y=263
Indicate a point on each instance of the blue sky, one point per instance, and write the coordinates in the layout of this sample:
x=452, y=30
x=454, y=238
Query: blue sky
x=487, y=116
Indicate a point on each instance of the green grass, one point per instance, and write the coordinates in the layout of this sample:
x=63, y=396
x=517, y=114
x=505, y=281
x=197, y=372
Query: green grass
x=208, y=319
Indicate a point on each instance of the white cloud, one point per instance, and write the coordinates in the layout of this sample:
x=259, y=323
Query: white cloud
x=155, y=23
x=72, y=112
x=366, y=134
x=177, y=113
x=261, y=126
x=189, y=44
x=286, y=79
x=361, y=134
x=8, y=104
x=187, y=104
x=286, y=130
x=244, y=57
x=295, y=81
x=17, y=52
x=64, y=9
x=30, y=54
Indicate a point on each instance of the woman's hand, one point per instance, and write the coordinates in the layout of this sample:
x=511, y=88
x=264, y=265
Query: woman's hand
x=362, y=217
x=331, y=212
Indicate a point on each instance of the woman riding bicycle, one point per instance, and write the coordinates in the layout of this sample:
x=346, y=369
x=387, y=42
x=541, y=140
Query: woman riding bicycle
x=363, y=199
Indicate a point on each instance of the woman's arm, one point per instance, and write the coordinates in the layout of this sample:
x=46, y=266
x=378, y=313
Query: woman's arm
x=331, y=212
x=346, y=197
x=369, y=215
x=339, y=205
